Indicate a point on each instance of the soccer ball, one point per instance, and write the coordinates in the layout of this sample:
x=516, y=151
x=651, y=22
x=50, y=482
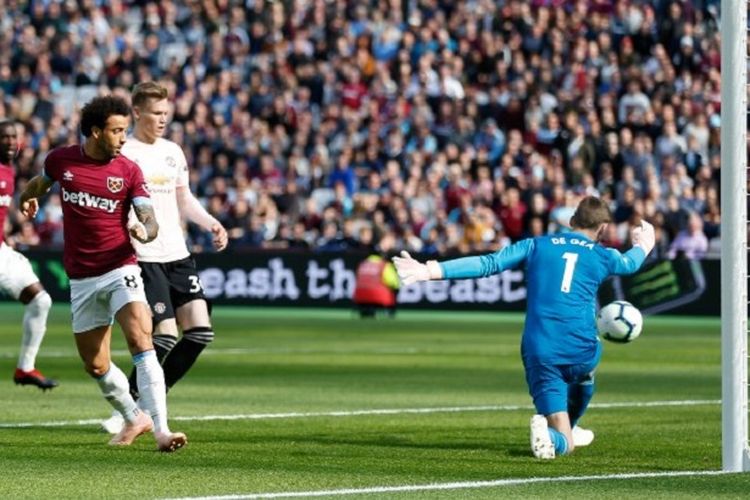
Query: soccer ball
x=619, y=321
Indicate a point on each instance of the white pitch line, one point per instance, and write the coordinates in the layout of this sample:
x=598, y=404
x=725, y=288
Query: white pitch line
x=252, y=351
x=455, y=486
x=374, y=411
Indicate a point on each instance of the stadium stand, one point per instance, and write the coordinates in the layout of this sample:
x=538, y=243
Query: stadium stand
x=424, y=125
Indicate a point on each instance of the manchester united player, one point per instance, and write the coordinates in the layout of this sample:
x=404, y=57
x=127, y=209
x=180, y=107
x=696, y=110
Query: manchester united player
x=98, y=187
x=17, y=279
x=173, y=289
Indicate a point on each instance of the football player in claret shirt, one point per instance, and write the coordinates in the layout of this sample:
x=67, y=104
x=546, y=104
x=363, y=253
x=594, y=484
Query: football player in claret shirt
x=173, y=288
x=560, y=347
x=17, y=278
x=98, y=187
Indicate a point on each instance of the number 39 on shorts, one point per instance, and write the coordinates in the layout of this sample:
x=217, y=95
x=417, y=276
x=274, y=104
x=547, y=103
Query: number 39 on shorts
x=195, y=284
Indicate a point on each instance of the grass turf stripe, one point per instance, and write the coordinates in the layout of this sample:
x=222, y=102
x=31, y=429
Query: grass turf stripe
x=365, y=412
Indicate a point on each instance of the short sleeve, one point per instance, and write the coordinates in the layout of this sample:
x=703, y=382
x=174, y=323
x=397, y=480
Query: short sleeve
x=52, y=166
x=183, y=172
x=137, y=185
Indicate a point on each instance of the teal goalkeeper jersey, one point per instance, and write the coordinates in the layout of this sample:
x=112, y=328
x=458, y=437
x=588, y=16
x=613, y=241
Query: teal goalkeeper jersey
x=563, y=274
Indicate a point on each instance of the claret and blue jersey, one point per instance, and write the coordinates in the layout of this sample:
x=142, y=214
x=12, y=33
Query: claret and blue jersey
x=563, y=274
x=96, y=197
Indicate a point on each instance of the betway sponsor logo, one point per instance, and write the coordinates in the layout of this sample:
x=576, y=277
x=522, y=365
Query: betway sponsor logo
x=5, y=200
x=89, y=200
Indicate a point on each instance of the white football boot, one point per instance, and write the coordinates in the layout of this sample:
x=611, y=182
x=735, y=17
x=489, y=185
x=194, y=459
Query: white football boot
x=541, y=443
x=582, y=437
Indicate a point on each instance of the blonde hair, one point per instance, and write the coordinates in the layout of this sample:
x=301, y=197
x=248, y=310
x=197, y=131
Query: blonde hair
x=148, y=90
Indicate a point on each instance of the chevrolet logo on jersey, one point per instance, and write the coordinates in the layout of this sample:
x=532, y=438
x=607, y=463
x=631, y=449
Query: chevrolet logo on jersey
x=5, y=200
x=159, y=180
x=89, y=200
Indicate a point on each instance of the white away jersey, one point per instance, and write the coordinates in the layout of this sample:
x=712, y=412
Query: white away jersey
x=165, y=169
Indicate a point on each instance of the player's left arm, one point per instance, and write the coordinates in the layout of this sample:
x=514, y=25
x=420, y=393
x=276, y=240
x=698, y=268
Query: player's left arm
x=644, y=239
x=146, y=229
x=193, y=211
x=411, y=271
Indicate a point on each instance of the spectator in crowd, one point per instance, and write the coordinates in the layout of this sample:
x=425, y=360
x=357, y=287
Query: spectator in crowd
x=387, y=104
x=690, y=242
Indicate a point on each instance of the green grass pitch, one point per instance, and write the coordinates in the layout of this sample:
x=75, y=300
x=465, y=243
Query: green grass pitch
x=312, y=401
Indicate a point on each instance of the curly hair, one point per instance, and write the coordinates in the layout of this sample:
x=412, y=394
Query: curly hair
x=98, y=110
x=7, y=123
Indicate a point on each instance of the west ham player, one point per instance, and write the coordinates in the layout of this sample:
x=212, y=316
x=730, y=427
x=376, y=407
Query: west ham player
x=559, y=347
x=17, y=279
x=98, y=187
x=173, y=289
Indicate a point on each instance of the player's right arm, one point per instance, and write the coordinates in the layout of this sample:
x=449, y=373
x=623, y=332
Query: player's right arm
x=410, y=271
x=36, y=187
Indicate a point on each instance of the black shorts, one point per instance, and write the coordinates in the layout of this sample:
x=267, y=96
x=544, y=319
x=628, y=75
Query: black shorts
x=170, y=285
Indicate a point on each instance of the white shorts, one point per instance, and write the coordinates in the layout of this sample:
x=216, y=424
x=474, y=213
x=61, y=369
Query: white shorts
x=15, y=272
x=95, y=301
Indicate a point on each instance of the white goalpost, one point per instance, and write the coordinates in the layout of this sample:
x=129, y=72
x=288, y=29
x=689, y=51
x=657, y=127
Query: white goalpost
x=734, y=228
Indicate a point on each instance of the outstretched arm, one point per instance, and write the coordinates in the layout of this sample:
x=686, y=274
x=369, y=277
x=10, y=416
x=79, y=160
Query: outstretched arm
x=146, y=228
x=410, y=271
x=36, y=187
x=193, y=211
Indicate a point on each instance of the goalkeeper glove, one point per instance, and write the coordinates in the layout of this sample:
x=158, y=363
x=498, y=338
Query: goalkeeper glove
x=643, y=236
x=410, y=270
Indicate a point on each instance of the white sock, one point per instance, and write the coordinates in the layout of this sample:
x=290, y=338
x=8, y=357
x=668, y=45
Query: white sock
x=152, y=390
x=116, y=390
x=34, y=327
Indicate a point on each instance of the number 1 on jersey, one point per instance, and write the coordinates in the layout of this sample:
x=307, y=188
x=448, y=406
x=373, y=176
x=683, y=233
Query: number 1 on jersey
x=570, y=265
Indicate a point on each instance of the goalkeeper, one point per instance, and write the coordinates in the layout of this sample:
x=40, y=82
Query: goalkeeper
x=560, y=347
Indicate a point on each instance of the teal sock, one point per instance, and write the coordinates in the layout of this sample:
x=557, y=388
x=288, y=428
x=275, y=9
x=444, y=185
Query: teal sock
x=558, y=439
x=579, y=396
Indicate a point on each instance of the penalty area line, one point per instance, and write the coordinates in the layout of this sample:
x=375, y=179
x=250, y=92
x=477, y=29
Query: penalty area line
x=365, y=412
x=455, y=485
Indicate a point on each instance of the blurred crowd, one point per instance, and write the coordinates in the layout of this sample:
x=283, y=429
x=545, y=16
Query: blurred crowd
x=426, y=125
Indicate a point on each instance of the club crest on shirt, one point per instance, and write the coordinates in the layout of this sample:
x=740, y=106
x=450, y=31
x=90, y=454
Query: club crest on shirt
x=160, y=308
x=115, y=184
x=171, y=161
x=67, y=175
